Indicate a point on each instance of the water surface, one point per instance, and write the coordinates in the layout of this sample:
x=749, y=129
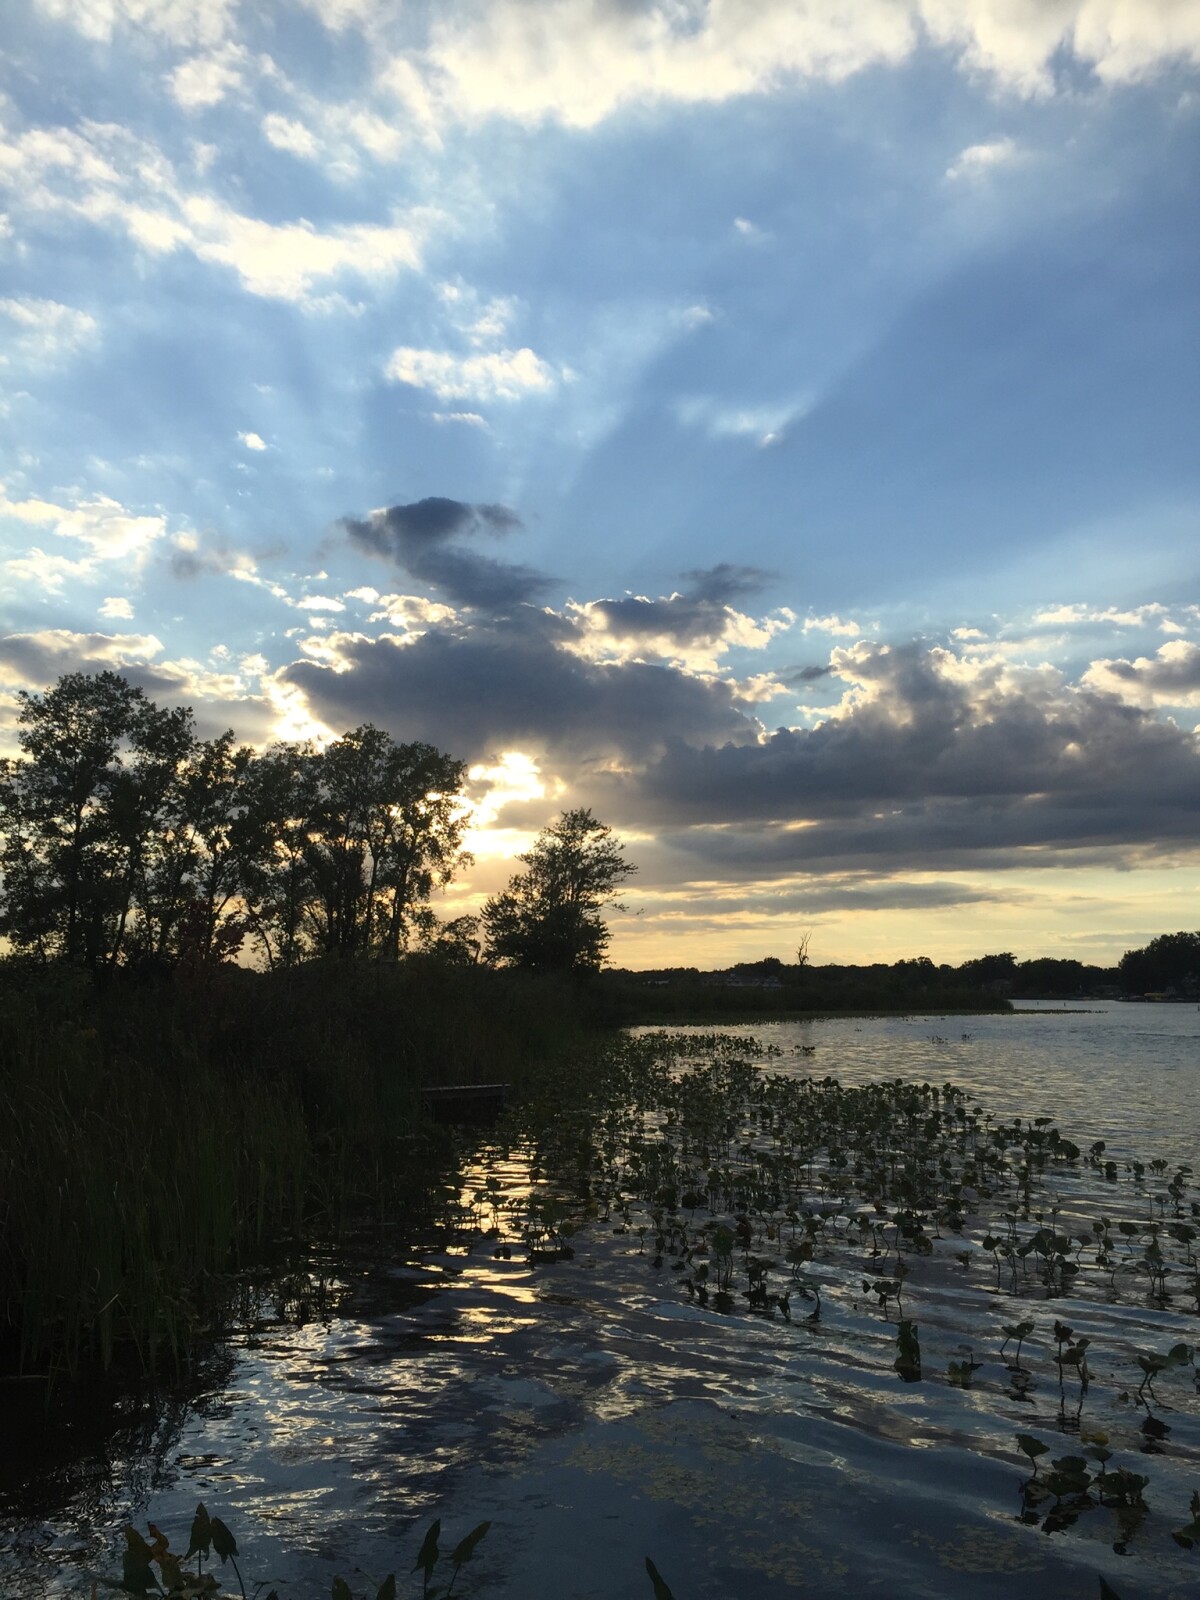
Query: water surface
x=595, y=1415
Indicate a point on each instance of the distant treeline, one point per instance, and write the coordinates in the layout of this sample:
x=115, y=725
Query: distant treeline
x=1168, y=965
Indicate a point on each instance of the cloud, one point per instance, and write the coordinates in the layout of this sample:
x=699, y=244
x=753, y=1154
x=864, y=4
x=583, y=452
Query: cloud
x=285, y=133
x=116, y=608
x=809, y=674
x=33, y=660
x=252, y=441
x=1078, y=614
x=579, y=62
x=186, y=23
x=977, y=160
x=203, y=81
x=1171, y=677
x=932, y=756
x=847, y=629
x=45, y=330
x=693, y=627
x=468, y=419
x=103, y=175
x=791, y=897
x=189, y=560
x=492, y=375
x=511, y=686
x=417, y=537
x=105, y=528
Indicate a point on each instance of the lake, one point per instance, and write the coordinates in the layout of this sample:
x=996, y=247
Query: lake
x=596, y=1413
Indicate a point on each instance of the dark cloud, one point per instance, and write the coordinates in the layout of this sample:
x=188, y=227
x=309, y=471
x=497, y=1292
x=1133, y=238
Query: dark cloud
x=418, y=539
x=512, y=685
x=819, y=895
x=216, y=560
x=799, y=675
x=36, y=660
x=934, y=763
x=187, y=565
x=930, y=762
x=696, y=615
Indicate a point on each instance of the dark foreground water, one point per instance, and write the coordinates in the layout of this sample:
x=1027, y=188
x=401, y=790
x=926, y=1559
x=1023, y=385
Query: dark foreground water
x=596, y=1416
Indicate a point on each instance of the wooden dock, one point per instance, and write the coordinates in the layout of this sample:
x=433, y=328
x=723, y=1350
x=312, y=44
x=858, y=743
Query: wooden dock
x=472, y=1104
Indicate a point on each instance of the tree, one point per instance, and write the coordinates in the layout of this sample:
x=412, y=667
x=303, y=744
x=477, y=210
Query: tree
x=1172, y=961
x=548, y=919
x=82, y=814
x=386, y=831
x=124, y=838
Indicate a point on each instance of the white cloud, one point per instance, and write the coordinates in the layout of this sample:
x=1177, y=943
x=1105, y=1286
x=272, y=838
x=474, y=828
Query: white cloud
x=104, y=527
x=116, y=608
x=494, y=375
x=284, y=133
x=697, y=316
x=179, y=22
x=45, y=330
x=412, y=612
x=979, y=159
x=252, y=441
x=675, y=628
x=1129, y=617
x=204, y=80
x=320, y=602
x=469, y=419
x=834, y=625
x=578, y=62
x=1171, y=677
x=1016, y=41
x=43, y=570
x=104, y=175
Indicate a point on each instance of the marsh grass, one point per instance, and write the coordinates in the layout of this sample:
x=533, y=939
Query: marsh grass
x=156, y=1138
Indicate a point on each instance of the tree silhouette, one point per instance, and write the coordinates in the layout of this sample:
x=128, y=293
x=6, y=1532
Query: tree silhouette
x=548, y=919
x=125, y=838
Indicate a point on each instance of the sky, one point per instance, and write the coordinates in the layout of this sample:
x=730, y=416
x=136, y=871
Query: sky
x=773, y=425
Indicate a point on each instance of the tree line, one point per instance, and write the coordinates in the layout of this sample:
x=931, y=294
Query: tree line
x=127, y=840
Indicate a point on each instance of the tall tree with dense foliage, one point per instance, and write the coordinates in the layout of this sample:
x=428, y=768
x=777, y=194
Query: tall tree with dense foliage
x=83, y=814
x=124, y=837
x=1172, y=961
x=387, y=831
x=548, y=919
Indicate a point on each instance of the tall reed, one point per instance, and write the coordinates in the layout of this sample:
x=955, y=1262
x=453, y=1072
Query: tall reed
x=154, y=1136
